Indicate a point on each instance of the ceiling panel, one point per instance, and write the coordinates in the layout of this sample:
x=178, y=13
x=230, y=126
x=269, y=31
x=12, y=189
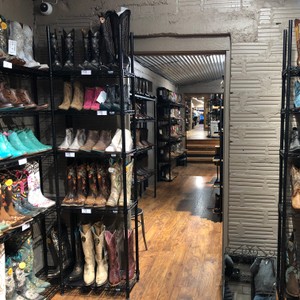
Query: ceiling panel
x=185, y=69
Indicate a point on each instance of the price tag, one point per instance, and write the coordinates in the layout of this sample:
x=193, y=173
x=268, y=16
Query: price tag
x=160, y=131
x=111, y=170
x=25, y=226
x=101, y=113
x=112, y=112
x=115, y=211
x=69, y=154
x=7, y=65
x=86, y=72
x=12, y=47
x=110, y=72
x=113, y=155
x=86, y=210
x=22, y=161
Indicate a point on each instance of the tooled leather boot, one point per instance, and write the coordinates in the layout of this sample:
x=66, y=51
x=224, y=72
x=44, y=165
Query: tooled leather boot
x=101, y=180
x=95, y=51
x=68, y=49
x=81, y=185
x=114, y=277
x=129, y=169
x=86, y=49
x=77, y=102
x=89, y=254
x=116, y=185
x=131, y=262
x=98, y=230
x=295, y=183
x=55, y=57
x=93, y=190
x=103, y=142
x=65, y=105
x=71, y=195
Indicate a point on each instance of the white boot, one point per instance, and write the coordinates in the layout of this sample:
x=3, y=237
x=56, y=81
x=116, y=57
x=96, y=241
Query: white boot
x=35, y=196
x=128, y=142
x=2, y=272
x=16, y=34
x=79, y=140
x=98, y=230
x=28, y=44
x=115, y=142
x=67, y=141
x=89, y=254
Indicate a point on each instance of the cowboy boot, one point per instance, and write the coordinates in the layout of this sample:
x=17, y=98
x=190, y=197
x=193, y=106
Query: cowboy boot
x=55, y=57
x=297, y=35
x=292, y=272
x=3, y=43
x=115, y=142
x=98, y=230
x=100, y=200
x=2, y=272
x=16, y=33
x=81, y=185
x=116, y=185
x=128, y=142
x=139, y=145
x=77, y=272
x=89, y=96
x=71, y=195
x=113, y=259
x=89, y=254
x=65, y=105
x=77, y=102
x=131, y=262
x=67, y=140
x=129, y=169
x=103, y=142
x=86, y=49
x=28, y=51
x=295, y=182
x=93, y=137
x=79, y=140
x=23, y=96
x=93, y=191
x=95, y=51
x=68, y=47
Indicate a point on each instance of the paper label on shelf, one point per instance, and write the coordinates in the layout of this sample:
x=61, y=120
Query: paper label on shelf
x=102, y=97
x=110, y=72
x=160, y=131
x=111, y=170
x=25, y=226
x=69, y=154
x=22, y=161
x=86, y=72
x=86, y=210
x=113, y=155
x=101, y=112
x=12, y=47
x=7, y=65
x=115, y=211
x=112, y=112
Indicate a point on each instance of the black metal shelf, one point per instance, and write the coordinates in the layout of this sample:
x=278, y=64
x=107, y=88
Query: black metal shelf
x=99, y=113
x=23, y=112
x=100, y=73
x=93, y=154
x=165, y=103
x=144, y=97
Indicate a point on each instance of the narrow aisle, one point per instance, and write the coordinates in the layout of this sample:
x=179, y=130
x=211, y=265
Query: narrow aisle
x=184, y=257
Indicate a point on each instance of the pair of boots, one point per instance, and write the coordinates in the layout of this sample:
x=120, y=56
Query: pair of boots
x=116, y=197
x=73, y=96
x=115, y=274
x=141, y=142
x=93, y=245
x=87, y=184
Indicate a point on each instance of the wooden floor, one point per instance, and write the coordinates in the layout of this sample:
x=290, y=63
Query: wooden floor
x=184, y=257
x=197, y=133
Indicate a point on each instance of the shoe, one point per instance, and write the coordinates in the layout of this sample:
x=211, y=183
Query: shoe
x=15, y=141
x=103, y=142
x=77, y=102
x=86, y=36
x=82, y=181
x=92, y=180
x=79, y=140
x=65, y=105
x=116, y=185
x=36, y=142
x=115, y=142
x=131, y=262
x=102, y=180
x=294, y=141
x=16, y=34
x=95, y=49
x=129, y=170
x=65, y=145
x=92, y=139
x=96, y=105
x=68, y=49
x=4, y=150
x=54, y=49
x=28, y=142
x=23, y=96
x=128, y=142
x=71, y=193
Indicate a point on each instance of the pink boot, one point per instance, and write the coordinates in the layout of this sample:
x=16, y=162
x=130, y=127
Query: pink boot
x=88, y=97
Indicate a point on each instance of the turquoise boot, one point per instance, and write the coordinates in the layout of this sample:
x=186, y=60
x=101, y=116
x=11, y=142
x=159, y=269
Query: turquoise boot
x=33, y=138
x=15, y=141
x=14, y=152
x=4, y=151
x=27, y=142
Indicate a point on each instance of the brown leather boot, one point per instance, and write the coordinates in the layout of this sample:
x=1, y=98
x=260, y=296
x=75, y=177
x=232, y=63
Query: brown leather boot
x=92, y=139
x=113, y=260
x=24, y=97
x=297, y=36
x=77, y=102
x=71, y=195
x=81, y=185
x=131, y=262
x=129, y=169
x=100, y=199
x=139, y=145
x=67, y=96
x=103, y=142
x=295, y=182
x=93, y=190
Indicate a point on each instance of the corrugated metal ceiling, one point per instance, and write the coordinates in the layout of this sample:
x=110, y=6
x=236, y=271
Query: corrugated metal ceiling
x=185, y=69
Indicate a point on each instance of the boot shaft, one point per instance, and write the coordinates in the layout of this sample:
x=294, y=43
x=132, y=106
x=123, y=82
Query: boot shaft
x=68, y=49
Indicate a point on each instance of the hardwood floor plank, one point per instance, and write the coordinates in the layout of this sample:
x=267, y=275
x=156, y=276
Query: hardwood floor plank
x=184, y=257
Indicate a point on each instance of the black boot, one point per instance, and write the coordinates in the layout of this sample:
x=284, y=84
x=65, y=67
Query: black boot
x=55, y=58
x=95, y=51
x=53, y=245
x=68, y=49
x=77, y=273
x=86, y=38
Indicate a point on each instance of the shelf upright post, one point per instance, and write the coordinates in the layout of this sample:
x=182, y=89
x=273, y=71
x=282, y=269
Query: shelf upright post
x=58, y=212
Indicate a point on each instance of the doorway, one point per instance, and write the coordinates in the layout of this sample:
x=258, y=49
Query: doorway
x=187, y=45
